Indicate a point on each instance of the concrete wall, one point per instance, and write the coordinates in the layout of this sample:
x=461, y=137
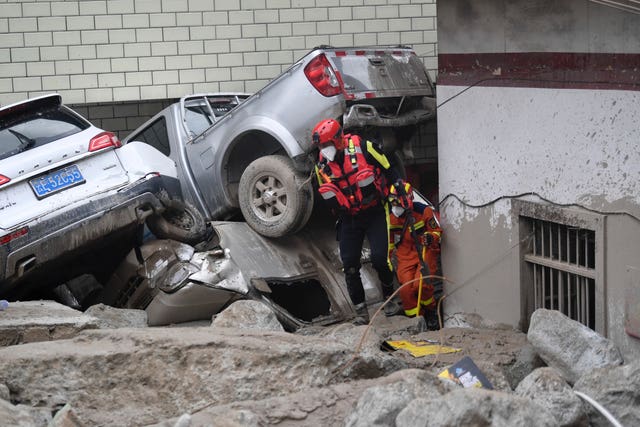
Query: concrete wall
x=542, y=108
x=116, y=51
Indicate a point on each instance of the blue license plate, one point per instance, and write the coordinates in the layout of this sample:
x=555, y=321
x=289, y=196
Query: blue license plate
x=56, y=181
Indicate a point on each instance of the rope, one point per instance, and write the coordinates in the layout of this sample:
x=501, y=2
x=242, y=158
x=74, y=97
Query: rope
x=600, y=409
x=303, y=183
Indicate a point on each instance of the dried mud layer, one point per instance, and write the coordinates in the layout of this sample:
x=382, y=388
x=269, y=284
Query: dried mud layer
x=495, y=346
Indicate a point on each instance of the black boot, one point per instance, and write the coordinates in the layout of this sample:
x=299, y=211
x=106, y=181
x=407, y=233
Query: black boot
x=362, y=314
x=393, y=307
x=431, y=319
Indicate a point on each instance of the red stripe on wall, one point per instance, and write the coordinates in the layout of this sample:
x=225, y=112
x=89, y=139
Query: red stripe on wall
x=544, y=70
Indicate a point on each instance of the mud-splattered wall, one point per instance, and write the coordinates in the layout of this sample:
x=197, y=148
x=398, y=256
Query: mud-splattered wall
x=537, y=100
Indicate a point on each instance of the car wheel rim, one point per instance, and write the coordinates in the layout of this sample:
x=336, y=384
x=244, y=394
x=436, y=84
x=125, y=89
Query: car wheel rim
x=269, y=198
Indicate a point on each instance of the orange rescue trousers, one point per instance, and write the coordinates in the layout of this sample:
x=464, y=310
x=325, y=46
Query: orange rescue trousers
x=409, y=294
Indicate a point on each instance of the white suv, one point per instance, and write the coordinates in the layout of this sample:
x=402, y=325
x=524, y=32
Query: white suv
x=65, y=186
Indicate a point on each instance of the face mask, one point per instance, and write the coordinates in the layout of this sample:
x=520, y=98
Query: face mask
x=329, y=152
x=397, y=210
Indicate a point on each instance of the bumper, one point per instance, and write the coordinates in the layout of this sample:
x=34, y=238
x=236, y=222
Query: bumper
x=60, y=233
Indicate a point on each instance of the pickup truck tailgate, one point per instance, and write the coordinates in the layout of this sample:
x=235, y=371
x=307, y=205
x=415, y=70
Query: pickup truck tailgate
x=373, y=73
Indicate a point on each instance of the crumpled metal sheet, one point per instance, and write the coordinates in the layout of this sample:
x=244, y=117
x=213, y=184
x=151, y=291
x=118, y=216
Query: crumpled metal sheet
x=260, y=257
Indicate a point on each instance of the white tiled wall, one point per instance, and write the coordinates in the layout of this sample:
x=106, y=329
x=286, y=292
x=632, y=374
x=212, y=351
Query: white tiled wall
x=98, y=51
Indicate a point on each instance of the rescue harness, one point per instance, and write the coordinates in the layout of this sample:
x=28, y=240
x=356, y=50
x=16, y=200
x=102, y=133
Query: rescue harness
x=353, y=184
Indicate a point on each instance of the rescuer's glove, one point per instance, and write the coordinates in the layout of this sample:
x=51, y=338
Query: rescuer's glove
x=430, y=239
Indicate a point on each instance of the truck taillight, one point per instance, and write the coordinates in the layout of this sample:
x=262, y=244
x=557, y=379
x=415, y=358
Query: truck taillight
x=322, y=76
x=104, y=140
x=4, y=179
x=14, y=235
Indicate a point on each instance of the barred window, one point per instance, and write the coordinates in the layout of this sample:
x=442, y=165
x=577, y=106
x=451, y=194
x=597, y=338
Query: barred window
x=562, y=261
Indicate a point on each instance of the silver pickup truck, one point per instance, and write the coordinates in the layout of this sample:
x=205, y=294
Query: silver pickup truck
x=253, y=153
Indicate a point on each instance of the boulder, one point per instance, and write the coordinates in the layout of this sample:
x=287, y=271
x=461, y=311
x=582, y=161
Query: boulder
x=474, y=407
x=247, y=314
x=380, y=405
x=32, y=321
x=569, y=346
x=22, y=415
x=527, y=360
x=617, y=389
x=495, y=374
x=66, y=417
x=547, y=388
x=4, y=392
x=111, y=317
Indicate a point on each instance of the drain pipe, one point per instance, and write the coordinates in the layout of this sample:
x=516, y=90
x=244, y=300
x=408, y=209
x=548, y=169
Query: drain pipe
x=600, y=409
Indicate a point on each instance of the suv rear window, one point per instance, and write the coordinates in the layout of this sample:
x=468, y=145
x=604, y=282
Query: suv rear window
x=30, y=129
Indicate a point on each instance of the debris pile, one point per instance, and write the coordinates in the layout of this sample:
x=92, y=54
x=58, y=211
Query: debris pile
x=109, y=369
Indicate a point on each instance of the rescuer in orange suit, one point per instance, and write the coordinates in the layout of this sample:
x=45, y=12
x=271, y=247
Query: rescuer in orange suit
x=414, y=234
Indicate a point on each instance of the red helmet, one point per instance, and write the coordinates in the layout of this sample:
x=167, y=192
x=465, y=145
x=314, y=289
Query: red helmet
x=328, y=131
x=401, y=194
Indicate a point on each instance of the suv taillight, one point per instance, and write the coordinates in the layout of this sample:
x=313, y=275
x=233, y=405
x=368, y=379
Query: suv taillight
x=11, y=236
x=104, y=140
x=4, y=179
x=322, y=76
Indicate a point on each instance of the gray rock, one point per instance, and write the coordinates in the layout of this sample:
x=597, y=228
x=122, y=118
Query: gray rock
x=4, y=392
x=247, y=314
x=135, y=376
x=22, y=415
x=495, y=375
x=311, y=407
x=379, y=405
x=527, y=360
x=547, y=388
x=32, y=321
x=223, y=418
x=569, y=346
x=111, y=317
x=474, y=407
x=66, y=417
x=617, y=389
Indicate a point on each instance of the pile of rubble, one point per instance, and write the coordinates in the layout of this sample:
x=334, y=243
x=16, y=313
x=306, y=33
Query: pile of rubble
x=60, y=367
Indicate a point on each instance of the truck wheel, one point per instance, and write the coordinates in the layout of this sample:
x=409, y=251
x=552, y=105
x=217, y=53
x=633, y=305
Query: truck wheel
x=179, y=221
x=274, y=198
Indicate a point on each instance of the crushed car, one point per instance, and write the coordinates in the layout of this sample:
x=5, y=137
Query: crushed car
x=301, y=281
x=73, y=199
x=253, y=154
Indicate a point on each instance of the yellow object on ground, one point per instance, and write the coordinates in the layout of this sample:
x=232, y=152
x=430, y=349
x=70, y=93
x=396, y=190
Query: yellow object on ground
x=420, y=348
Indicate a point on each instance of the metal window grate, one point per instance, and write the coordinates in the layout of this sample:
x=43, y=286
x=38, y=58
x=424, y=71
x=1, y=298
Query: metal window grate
x=563, y=261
